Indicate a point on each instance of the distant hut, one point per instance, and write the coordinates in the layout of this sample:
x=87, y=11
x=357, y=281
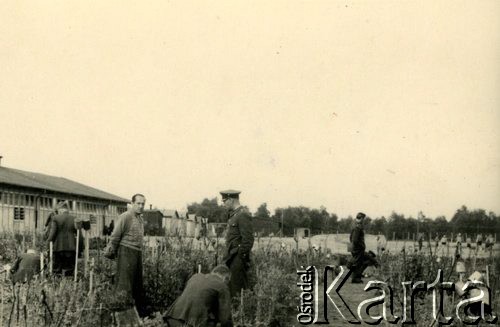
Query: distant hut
x=170, y=218
x=27, y=199
x=153, y=223
x=191, y=220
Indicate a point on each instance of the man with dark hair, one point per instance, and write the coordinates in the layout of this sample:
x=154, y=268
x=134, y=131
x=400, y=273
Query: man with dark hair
x=63, y=235
x=360, y=259
x=136, y=195
x=125, y=244
x=239, y=241
x=204, y=302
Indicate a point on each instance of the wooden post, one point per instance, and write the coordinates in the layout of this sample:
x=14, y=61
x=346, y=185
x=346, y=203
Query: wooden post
x=1, y=299
x=100, y=314
x=86, y=253
x=475, y=259
x=242, y=308
x=34, y=236
x=91, y=281
x=199, y=268
x=51, y=247
x=76, y=256
x=41, y=266
x=488, y=275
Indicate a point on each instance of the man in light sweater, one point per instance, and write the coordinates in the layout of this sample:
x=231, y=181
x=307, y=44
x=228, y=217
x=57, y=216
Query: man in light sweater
x=125, y=245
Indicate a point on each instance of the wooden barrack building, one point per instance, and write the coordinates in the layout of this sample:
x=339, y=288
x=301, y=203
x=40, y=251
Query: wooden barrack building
x=27, y=199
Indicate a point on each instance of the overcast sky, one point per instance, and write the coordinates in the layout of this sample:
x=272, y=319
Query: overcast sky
x=355, y=105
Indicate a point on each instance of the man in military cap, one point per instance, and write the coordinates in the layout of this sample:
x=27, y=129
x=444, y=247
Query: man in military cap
x=239, y=241
x=204, y=302
x=360, y=259
x=63, y=235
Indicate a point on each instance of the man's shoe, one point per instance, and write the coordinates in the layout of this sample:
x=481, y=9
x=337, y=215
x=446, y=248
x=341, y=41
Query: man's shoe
x=357, y=281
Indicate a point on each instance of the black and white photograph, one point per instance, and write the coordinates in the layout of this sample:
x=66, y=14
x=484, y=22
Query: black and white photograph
x=249, y=163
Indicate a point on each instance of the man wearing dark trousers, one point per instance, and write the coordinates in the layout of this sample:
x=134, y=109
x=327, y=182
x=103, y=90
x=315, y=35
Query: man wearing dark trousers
x=205, y=301
x=63, y=235
x=239, y=241
x=125, y=244
x=360, y=259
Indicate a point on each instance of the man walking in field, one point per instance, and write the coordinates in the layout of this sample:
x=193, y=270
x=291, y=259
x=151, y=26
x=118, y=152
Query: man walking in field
x=360, y=259
x=125, y=244
x=239, y=241
x=205, y=301
x=62, y=233
x=420, y=241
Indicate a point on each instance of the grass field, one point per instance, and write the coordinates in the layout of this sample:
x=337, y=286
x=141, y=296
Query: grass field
x=273, y=300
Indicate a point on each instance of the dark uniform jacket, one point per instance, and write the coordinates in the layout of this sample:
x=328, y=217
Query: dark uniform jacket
x=239, y=237
x=63, y=232
x=357, y=239
x=26, y=266
x=205, y=301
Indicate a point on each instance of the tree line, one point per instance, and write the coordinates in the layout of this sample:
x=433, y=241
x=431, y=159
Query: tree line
x=320, y=221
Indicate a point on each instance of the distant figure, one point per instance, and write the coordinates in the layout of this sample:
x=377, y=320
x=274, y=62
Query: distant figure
x=469, y=242
x=381, y=242
x=360, y=259
x=490, y=241
x=205, y=301
x=111, y=227
x=25, y=267
x=125, y=244
x=63, y=235
x=420, y=241
x=479, y=242
x=459, y=244
x=108, y=230
x=315, y=247
x=444, y=248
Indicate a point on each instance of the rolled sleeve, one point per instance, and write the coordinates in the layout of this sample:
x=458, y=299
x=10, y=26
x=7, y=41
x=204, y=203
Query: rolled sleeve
x=116, y=236
x=52, y=231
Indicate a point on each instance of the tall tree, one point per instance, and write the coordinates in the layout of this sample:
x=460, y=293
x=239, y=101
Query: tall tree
x=209, y=208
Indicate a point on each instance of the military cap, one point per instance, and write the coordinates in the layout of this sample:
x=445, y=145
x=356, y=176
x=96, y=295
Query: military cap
x=230, y=194
x=360, y=215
